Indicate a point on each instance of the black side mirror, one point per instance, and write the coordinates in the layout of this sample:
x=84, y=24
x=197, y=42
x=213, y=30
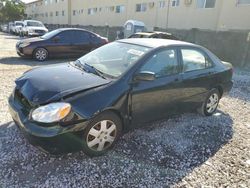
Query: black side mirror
x=56, y=39
x=144, y=76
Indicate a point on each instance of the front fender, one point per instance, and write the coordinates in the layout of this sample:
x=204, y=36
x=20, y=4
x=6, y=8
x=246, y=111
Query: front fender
x=109, y=97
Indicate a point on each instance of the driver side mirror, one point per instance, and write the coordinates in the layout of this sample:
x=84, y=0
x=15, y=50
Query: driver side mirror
x=144, y=76
x=56, y=39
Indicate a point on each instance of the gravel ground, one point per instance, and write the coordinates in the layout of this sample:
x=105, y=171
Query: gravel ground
x=184, y=151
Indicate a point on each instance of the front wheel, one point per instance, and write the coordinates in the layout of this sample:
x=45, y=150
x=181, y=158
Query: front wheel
x=210, y=105
x=41, y=54
x=101, y=134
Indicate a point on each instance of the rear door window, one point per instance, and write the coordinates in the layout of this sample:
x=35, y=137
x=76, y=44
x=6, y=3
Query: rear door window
x=81, y=37
x=66, y=37
x=194, y=60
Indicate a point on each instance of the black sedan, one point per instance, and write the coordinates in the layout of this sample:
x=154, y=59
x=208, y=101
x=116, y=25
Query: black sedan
x=89, y=103
x=65, y=42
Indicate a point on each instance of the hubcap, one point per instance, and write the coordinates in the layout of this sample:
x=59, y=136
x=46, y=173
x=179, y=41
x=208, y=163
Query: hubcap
x=212, y=103
x=41, y=54
x=101, y=135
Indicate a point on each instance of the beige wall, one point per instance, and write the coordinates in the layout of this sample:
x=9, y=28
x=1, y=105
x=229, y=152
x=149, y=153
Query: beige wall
x=102, y=16
x=233, y=16
x=187, y=17
x=225, y=16
x=39, y=9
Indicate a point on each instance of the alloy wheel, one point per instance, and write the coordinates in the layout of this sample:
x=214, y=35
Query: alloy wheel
x=101, y=135
x=41, y=54
x=212, y=103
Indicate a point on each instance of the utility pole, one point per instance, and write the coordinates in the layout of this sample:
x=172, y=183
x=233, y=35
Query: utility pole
x=168, y=8
x=69, y=11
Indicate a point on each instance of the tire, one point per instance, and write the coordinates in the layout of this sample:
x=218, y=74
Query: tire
x=209, y=106
x=41, y=54
x=101, y=134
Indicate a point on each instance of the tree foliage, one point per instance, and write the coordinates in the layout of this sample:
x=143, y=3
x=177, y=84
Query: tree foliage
x=11, y=10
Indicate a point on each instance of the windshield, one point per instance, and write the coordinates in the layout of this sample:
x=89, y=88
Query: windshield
x=50, y=34
x=19, y=24
x=35, y=24
x=115, y=58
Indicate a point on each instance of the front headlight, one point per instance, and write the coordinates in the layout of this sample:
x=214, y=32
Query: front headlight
x=50, y=113
x=31, y=31
x=25, y=44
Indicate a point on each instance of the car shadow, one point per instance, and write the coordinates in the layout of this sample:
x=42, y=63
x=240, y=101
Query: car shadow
x=179, y=145
x=31, y=62
x=161, y=154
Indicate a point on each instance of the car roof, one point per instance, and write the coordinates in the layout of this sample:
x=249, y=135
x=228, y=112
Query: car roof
x=32, y=21
x=79, y=29
x=65, y=29
x=153, y=32
x=155, y=43
x=142, y=33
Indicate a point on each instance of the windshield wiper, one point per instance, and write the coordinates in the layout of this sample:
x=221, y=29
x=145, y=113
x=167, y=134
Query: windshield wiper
x=79, y=65
x=95, y=71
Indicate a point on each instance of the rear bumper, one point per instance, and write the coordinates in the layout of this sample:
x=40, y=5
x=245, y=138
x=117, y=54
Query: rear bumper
x=227, y=87
x=54, y=139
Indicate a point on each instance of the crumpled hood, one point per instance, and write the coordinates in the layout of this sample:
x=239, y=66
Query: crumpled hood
x=51, y=83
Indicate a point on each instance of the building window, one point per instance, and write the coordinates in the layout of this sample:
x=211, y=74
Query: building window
x=56, y=1
x=81, y=11
x=74, y=12
x=141, y=7
x=46, y=14
x=175, y=3
x=63, y=13
x=110, y=9
x=92, y=11
x=206, y=3
x=243, y=2
x=51, y=14
x=162, y=4
x=120, y=9
x=57, y=13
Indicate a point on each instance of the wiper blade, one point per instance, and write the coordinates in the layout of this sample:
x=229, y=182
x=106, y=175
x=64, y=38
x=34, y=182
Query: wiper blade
x=95, y=70
x=79, y=65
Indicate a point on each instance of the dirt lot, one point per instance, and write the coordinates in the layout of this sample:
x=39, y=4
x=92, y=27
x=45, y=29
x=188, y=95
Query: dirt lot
x=185, y=151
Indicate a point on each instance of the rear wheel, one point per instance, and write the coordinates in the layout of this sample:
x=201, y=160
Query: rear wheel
x=210, y=105
x=101, y=134
x=41, y=54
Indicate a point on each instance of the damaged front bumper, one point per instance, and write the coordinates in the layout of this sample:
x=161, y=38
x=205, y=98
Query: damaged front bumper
x=54, y=139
